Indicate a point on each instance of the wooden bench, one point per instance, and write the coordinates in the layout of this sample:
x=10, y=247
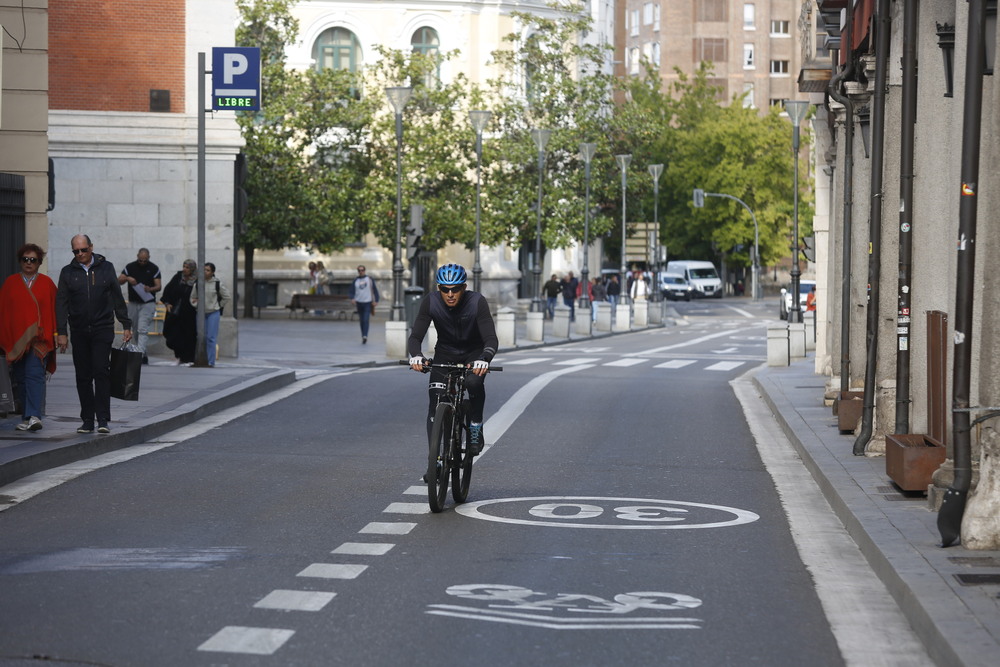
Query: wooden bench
x=330, y=304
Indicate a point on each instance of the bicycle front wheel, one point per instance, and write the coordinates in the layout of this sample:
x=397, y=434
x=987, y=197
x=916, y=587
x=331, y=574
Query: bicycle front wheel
x=439, y=456
x=461, y=471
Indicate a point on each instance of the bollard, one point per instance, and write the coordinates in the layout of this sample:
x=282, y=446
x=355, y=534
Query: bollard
x=584, y=321
x=810, y=322
x=603, y=322
x=536, y=324
x=560, y=322
x=641, y=314
x=395, y=340
x=796, y=340
x=506, y=329
x=623, y=313
x=656, y=312
x=777, y=345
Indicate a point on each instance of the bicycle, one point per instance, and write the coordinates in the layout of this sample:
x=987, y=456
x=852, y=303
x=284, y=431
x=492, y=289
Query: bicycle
x=448, y=454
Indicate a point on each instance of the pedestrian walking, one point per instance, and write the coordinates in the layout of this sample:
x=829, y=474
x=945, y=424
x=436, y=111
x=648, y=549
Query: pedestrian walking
x=364, y=295
x=28, y=332
x=598, y=293
x=143, y=279
x=217, y=296
x=552, y=289
x=88, y=299
x=614, y=289
x=180, y=329
x=569, y=289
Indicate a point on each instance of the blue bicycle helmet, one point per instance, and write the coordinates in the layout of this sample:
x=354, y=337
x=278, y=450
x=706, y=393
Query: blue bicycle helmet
x=451, y=274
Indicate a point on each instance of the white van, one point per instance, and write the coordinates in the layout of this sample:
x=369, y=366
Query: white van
x=702, y=276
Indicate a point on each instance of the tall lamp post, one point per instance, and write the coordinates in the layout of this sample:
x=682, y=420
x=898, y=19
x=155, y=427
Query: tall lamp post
x=655, y=170
x=398, y=97
x=796, y=110
x=479, y=119
x=623, y=162
x=541, y=138
x=587, y=154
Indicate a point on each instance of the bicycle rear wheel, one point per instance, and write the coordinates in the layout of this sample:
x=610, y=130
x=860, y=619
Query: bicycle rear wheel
x=439, y=456
x=461, y=470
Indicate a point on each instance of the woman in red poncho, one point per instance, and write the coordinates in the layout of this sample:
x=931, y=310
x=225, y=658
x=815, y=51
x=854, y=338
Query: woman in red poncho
x=28, y=331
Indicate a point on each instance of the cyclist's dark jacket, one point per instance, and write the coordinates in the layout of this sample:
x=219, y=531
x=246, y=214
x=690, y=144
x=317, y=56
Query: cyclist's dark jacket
x=465, y=331
x=90, y=300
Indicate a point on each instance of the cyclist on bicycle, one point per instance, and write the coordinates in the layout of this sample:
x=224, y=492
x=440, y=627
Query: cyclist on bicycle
x=465, y=334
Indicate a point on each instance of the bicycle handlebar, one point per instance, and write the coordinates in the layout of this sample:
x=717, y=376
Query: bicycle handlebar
x=449, y=364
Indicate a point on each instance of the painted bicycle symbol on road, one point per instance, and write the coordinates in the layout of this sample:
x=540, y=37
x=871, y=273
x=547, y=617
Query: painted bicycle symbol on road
x=570, y=611
x=606, y=513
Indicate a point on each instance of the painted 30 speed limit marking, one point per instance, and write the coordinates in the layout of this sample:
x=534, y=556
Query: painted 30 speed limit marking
x=606, y=513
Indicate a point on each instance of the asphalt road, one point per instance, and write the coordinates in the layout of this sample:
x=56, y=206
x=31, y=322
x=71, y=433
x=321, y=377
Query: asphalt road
x=622, y=515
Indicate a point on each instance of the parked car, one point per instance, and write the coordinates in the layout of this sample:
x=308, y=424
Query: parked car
x=785, y=303
x=674, y=286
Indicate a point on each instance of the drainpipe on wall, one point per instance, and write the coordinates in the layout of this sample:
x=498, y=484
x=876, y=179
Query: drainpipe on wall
x=833, y=89
x=953, y=505
x=905, y=292
x=882, y=25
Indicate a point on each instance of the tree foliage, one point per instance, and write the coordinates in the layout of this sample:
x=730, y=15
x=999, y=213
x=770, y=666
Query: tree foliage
x=323, y=149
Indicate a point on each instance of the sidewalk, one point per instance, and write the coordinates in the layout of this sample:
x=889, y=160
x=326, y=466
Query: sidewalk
x=958, y=623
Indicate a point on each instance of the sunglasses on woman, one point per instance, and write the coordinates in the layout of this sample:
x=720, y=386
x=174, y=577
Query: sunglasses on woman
x=30, y=260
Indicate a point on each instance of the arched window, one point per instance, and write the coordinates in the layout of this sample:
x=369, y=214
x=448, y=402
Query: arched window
x=425, y=41
x=337, y=48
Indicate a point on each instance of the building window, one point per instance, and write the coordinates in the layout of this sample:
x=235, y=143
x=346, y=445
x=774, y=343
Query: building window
x=710, y=49
x=776, y=102
x=711, y=10
x=779, y=28
x=635, y=23
x=748, y=60
x=656, y=54
x=647, y=13
x=656, y=17
x=425, y=41
x=748, y=16
x=779, y=67
x=748, y=96
x=337, y=48
x=633, y=64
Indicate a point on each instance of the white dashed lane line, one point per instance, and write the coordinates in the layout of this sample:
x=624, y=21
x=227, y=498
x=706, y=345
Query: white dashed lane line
x=285, y=600
x=240, y=639
x=333, y=571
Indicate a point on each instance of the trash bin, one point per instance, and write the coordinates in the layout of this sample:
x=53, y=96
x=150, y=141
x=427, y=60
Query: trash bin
x=411, y=303
x=264, y=294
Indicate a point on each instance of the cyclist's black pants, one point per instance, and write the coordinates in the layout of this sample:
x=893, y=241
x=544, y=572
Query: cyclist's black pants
x=473, y=384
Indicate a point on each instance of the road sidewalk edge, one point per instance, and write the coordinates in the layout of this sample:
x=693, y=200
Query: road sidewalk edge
x=89, y=446
x=925, y=599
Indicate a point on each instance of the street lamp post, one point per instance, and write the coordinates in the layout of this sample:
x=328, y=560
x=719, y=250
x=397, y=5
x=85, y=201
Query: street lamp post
x=655, y=170
x=479, y=119
x=398, y=97
x=541, y=138
x=587, y=154
x=623, y=162
x=796, y=110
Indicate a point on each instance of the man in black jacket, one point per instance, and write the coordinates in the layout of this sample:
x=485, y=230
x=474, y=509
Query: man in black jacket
x=88, y=299
x=465, y=334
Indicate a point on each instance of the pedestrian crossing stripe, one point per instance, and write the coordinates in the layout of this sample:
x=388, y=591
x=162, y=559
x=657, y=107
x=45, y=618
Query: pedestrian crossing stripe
x=724, y=366
x=675, y=363
x=630, y=361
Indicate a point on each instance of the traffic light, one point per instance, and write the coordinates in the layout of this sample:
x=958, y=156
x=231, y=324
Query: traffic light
x=240, y=200
x=699, y=198
x=414, y=231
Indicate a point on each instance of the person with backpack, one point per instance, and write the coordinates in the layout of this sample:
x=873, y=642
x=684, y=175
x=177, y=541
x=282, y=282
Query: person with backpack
x=217, y=296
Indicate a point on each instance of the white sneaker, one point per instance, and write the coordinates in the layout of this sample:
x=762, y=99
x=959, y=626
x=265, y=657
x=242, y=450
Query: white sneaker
x=31, y=424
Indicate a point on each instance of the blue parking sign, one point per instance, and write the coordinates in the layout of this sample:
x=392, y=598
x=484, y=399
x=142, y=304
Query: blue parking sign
x=235, y=78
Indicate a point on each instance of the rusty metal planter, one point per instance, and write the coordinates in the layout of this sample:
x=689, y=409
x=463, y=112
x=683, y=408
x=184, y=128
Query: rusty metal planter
x=848, y=408
x=911, y=459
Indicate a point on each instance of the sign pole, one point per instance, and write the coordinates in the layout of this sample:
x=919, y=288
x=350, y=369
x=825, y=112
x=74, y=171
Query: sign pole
x=201, y=354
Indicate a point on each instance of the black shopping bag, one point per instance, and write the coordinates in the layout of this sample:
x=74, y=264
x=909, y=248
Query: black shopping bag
x=7, y=404
x=126, y=367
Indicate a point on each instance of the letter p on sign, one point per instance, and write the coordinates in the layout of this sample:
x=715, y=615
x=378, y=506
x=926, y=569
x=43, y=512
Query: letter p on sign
x=233, y=64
